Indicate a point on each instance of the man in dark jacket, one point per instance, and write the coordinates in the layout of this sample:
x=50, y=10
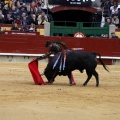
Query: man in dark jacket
x=114, y=35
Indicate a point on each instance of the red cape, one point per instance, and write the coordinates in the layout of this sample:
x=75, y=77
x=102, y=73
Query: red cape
x=33, y=67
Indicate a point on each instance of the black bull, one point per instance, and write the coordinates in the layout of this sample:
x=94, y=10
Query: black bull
x=74, y=61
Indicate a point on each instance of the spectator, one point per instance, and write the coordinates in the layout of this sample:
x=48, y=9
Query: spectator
x=1, y=30
x=9, y=2
x=5, y=9
x=39, y=3
x=24, y=29
x=104, y=36
x=1, y=14
x=23, y=15
x=24, y=6
x=21, y=11
x=38, y=12
x=20, y=3
x=14, y=11
x=110, y=3
x=114, y=35
x=16, y=3
x=1, y=5
x=30, y=18
x=15, y=27
x=33, y=6
x=31, y=11
x=114, y=9
x=9, y=19
x=107, y=21
x=43, y=6
x=115, y=20
x=25, y=21
x=32, y=28
x=42, y=19
x=2, y=20
x=34, y=20
x=18, y=21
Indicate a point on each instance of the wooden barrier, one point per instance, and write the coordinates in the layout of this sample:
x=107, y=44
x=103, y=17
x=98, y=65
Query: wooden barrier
x=36, y=44
x=28, y=44
x=7, y=27
x=17, y=32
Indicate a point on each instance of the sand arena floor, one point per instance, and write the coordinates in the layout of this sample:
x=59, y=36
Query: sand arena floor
x=20, y=99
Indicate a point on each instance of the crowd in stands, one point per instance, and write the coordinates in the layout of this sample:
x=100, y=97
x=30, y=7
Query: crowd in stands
x=111, y=12
x=24, y=13
x=30, y=13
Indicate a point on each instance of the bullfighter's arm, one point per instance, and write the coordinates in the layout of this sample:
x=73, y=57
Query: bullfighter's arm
x=45, y=55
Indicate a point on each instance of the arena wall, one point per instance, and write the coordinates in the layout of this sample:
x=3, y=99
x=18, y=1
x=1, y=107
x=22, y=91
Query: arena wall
x=27, y=47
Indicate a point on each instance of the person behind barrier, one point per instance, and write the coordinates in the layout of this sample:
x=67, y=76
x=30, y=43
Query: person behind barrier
x=15, y=27
x=55, y=47
x=114, y=35
x=1, y=30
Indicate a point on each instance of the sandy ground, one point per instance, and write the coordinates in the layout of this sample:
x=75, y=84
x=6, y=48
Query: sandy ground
x=21, y=99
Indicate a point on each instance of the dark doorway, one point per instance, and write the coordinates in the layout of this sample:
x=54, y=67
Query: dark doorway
x=72, y=15
x=78, y=16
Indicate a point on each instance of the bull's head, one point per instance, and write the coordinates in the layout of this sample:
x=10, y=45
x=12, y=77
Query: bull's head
x=49, y=75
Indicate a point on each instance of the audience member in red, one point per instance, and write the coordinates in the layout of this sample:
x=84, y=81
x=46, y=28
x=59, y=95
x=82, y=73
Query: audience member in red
x=18, y=21
x=33, y=6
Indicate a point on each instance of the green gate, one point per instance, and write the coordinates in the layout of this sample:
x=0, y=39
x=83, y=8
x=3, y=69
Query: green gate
x=70, y=28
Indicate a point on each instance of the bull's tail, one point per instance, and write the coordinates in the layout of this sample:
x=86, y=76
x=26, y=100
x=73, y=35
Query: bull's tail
x=102, y=62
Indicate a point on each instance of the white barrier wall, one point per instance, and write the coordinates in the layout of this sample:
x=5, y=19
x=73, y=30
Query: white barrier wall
x=10, y=57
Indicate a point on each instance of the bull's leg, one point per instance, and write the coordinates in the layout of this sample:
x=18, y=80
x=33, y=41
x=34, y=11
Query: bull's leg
x=89, y=76
x=96, y=77
x=70, y=80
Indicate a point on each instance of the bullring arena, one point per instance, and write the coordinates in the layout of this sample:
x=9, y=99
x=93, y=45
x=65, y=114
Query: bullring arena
x=21, y=99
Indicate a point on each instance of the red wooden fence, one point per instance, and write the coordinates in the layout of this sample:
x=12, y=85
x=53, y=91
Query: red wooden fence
x=35, y=44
